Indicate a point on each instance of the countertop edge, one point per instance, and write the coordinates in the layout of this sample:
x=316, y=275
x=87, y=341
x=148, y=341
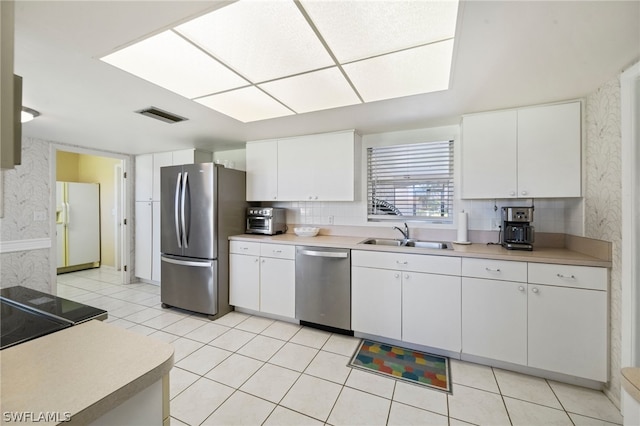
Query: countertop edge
x=561, y=256
x=631, y=381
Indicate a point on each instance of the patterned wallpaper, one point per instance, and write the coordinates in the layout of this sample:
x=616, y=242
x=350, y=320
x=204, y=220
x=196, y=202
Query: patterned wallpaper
x=603, y=202
x=26, y=191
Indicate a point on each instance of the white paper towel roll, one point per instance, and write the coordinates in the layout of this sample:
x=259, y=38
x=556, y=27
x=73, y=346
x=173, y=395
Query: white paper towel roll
x=463, y=223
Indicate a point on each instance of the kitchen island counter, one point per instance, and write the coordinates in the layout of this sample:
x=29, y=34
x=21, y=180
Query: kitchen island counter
x=81, y=373
x=554, y=255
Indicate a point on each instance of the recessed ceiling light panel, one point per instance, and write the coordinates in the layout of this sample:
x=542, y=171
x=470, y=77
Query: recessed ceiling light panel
x=409, y=72
x=361, y=29
x=175, y=64
x=262, y=40
x=246, y=104
x=314, y=91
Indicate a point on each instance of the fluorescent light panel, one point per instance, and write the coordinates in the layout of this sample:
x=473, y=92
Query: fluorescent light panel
x=387, y=49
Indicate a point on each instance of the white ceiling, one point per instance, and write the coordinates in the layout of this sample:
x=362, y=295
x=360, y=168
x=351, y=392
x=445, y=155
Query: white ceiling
x=506, y=54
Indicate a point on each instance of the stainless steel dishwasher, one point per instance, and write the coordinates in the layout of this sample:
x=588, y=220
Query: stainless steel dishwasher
x=323, y=286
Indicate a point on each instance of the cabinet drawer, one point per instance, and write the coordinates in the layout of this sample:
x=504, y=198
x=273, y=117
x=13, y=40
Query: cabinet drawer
x=494, y=269
x=281, y=251
x=243, y=247
x=588, y=277
x=406, y=262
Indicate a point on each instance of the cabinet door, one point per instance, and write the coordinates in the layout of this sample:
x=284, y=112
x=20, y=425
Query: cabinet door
x=296, y=164
x=184, y=156
x=155, y=230
x=489, y=152
x=143, y=243
x=376, y=302
x=277, y=287
x=244, y=281
x=568, y=331
x=494, y=319
x=144, y=177
x=159, y=160
x=333, y=161
x=431, y=310
x=262, y=171
x=549, y=151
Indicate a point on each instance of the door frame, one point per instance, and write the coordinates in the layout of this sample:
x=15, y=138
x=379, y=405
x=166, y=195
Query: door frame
x=124, y=206
x=630, y=151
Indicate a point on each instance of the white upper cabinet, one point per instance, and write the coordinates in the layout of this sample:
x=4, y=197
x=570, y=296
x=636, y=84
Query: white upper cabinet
x=549, y=151
x=262, y=170
x=160, y=160
x=144, y=177
x=530, y=152
x=320, y=167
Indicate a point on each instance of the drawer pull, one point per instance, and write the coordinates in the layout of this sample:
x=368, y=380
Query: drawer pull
x=244, y=248
x=492, y=270
x=277, y=251
x=402, y=263
x=569, y=277
x=396, y=275
x=521, y=288
x=535, y=290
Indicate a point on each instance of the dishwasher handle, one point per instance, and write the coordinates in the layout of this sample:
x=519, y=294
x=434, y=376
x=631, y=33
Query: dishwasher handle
x=317, y=253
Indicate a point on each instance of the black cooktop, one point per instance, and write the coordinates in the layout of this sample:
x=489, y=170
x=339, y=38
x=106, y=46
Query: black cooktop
x=28, y=314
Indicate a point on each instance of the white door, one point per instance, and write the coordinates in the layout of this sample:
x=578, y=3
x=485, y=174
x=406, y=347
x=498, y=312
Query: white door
x=155, y=241
x=489, y=152
x=143, y=239
x=83, y=218
x=494, y=319
x=431, y=310
x=262, y=171
x=568, y=331
x=549, y=151
x=376, y=302
x=244, y=281
x=278, y=287
x=61, y=225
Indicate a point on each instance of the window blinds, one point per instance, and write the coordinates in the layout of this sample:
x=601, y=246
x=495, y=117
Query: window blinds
x=414, y=181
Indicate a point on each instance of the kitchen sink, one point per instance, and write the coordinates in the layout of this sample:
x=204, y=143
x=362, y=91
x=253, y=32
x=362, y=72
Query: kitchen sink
x=441, y=245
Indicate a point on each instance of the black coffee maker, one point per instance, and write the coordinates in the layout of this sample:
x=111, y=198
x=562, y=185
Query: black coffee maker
x=517, y=232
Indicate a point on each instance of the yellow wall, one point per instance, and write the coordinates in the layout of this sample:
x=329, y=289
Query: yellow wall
x=72, y=167
x=67, y=166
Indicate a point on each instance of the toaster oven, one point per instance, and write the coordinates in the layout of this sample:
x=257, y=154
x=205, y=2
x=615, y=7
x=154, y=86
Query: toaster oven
x=266, y=220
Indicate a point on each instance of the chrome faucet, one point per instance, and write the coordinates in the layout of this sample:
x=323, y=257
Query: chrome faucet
x=404, y=233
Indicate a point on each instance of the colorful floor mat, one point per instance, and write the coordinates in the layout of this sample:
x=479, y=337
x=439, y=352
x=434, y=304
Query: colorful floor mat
x=403, y=364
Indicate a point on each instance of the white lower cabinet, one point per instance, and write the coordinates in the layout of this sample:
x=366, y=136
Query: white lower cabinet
x=376, y=301
x=402, y=304
x=262, y=277
x=143, y=239
x=557, y=321
x=494, y=319
x=431, y=310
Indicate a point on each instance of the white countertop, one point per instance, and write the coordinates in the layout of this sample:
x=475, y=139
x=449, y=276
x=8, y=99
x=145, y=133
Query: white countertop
x=541, y=255
x=85, y=370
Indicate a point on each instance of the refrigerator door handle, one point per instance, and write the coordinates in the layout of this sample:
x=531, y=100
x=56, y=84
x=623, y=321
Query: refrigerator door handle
x=203, y=264
x=176, y=213
x=185, y=185
x=67, y=213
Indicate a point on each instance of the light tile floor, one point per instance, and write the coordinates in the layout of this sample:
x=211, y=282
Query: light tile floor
x=248, y=370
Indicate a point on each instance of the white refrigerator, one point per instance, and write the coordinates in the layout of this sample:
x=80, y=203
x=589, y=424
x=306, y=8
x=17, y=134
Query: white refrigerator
x=78, y=224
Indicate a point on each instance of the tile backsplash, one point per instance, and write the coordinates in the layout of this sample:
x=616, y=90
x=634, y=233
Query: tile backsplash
x=551, y=215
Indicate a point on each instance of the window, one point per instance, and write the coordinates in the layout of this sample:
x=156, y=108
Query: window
x=411, y=182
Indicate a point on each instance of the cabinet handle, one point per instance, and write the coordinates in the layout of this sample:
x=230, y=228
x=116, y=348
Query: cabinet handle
x=256, y=260
x=524, y=193
x=569, y=277
x=521, y=288
x=396, y=275
x=263, y=261
x=492, y=270
x=535, y=290
x=277, y=251
x=310, y=197
x=406, y=277
x=275, y=198
x=244, y=248
x=512, y=193
x=402, y=263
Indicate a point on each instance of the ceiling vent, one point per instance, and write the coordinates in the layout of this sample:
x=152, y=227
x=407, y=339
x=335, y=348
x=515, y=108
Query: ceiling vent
x=161, y=115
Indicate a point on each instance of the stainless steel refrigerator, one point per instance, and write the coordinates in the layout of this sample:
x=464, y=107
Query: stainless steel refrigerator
x=201, y=206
